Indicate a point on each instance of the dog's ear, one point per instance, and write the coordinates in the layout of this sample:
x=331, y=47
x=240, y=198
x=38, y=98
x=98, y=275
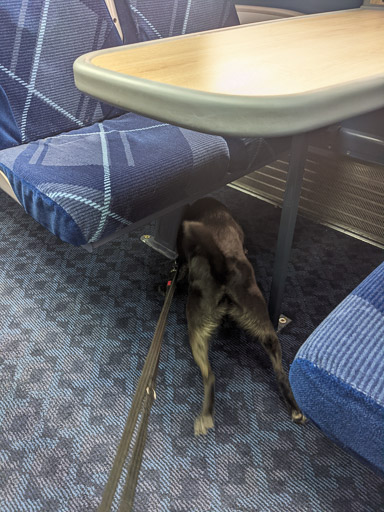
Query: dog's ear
x=198, y=240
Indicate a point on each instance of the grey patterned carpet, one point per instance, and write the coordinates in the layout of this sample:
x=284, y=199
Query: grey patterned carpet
x=74, y=331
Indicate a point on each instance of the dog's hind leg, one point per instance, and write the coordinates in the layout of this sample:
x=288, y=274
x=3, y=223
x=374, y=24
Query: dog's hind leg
x=255, y=320
x=271, y=345
x=203, y=318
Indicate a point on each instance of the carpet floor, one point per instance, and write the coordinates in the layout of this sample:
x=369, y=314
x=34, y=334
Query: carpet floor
x=75, y=328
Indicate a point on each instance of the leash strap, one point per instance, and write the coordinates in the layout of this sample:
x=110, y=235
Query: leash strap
x=141, y=403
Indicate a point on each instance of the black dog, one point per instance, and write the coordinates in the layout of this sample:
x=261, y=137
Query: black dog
x=222, y=282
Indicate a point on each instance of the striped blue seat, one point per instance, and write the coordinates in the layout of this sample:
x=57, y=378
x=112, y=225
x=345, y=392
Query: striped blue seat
x=338, y=374
x=86, y=170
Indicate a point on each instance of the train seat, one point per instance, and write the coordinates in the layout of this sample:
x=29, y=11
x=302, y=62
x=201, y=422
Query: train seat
x=338, y=374
x=83, y=169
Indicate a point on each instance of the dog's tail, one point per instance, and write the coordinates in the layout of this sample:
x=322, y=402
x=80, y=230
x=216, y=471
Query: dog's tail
x=198, y=240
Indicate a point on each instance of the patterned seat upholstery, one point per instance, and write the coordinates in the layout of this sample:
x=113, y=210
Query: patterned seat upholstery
x=83, y=169
x=90, y=182
x=144, y=20
x=338, y=374
x=39, y=40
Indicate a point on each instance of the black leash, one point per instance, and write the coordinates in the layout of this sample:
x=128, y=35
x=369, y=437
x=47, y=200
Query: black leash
x=141, y=404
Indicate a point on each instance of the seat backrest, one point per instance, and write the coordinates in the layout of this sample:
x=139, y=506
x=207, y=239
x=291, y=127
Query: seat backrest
x=143, y=20
x=39, y=40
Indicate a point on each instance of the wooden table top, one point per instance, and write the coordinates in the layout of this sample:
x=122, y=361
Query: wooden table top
x=273, y=78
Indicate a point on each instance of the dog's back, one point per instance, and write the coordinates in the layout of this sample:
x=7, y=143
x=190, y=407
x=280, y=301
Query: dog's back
x=209, y=230
x=218, y=219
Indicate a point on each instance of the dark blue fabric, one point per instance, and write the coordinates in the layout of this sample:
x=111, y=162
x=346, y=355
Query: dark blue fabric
x=349, y=343
x=309, y=6
x=338, y=374
x=372, y=289
x=250, y=153
x=346, y=415
x=47, y=212
x=39, y=42
x=109, y=175
x=86, y=180
x=153, y=20
x=127, y=23
x=9, y=132
x=90, y=182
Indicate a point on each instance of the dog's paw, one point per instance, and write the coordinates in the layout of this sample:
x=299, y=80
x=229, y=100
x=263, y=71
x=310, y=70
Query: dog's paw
x=298, y=417
x=202, y=424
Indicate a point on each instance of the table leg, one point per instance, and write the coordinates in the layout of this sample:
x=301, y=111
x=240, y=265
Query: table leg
x=287, y=223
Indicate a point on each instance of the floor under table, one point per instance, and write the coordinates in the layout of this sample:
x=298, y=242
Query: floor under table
x=74, y=331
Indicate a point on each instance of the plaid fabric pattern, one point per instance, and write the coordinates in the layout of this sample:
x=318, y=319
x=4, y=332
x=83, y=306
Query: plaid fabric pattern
x=85, y=170
x=39, y=40
x=155, y=20
x=111, y=174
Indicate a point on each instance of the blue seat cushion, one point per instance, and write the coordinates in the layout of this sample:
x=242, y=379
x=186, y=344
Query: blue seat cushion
x=87, y=183
x=338, y=374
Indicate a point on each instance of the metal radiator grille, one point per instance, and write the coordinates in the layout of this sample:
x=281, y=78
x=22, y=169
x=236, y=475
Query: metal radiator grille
x=341, y=192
